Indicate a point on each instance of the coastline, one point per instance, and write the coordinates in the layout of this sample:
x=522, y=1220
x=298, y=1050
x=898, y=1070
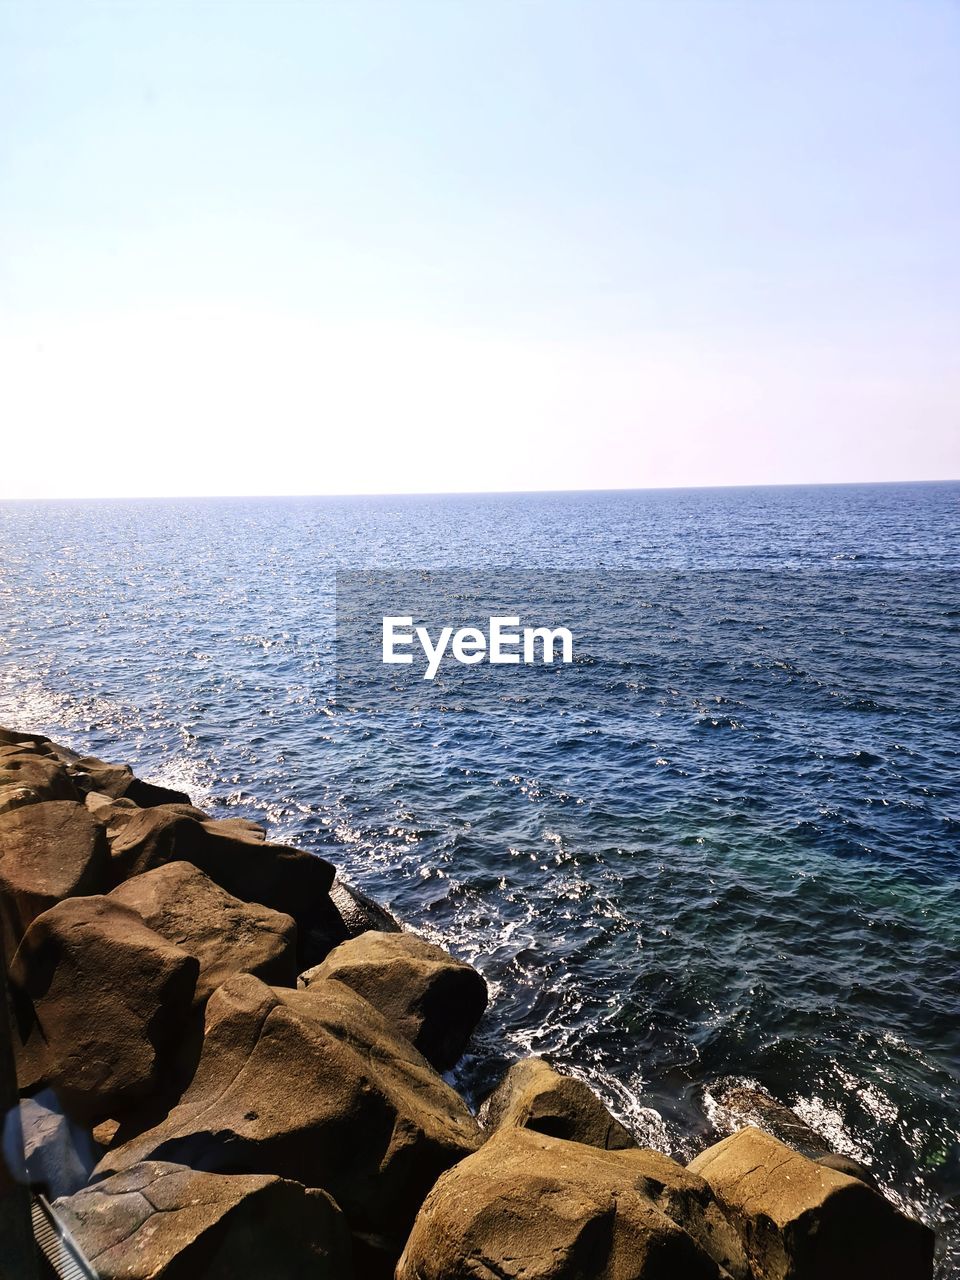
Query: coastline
x=211, y=959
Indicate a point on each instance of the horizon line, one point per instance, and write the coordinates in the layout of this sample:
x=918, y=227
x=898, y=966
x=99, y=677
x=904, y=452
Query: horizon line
x=478, y=493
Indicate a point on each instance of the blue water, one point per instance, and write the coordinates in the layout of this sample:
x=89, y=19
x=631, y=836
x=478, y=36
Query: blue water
x=725, y=841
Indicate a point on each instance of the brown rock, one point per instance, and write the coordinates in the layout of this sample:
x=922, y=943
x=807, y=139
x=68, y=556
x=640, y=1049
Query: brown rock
x=42, y=774
x=112, y=815
x=117, y=781
x=48, y=852
x=532, y=1095
x=430, y=997
x=285, y=879
x=532, y=1207
x=160, y=1221
x=91, y=774
x=17, y=797
x=28, y=741
x=100, y=1000
x=226, y=935
x=314, y=1086
x=151, y=793
x=802, y=1221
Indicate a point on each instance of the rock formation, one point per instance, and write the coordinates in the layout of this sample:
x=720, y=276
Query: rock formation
x=430, y=997
x=161, y=1221
x=534, y=1096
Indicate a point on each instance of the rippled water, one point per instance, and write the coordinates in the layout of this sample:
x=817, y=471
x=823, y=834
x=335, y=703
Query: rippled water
x=730, y=848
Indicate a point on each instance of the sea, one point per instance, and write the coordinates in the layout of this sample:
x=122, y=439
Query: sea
x=723, y=842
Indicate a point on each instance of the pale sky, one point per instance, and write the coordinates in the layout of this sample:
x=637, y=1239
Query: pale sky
x=400, y=246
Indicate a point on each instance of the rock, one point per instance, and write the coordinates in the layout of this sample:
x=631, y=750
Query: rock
x=118, y=781
x=100, y=1001
x=531, y=1207
x=242, y=829
x=43, y=775
x=112, y=815
x=846, y=1164
x=59, y=1155
x=320, y=933
x=285, y=879
x=802, y=1221
x=315, y=1086
x=146, y=794
x=28, y=741
x=48, y=852
x=226, y=935
x=430, y=997
x=733, y=1104
x=17, y=797
x=360, y=913
x=160, y=1221
x=534, y=1096
x=105, y=1132
x=91, y=774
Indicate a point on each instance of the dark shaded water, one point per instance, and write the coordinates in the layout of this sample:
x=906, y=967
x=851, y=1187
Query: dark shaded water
x=725, y=841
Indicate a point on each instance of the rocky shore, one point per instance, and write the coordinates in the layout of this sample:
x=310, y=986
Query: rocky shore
x=230, y=1063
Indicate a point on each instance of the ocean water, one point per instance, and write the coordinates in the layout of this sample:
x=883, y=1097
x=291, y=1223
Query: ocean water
x=725, y=841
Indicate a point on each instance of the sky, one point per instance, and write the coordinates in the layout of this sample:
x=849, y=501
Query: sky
x=476, y=245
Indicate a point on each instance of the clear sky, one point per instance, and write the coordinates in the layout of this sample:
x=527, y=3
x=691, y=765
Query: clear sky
x=343, y=247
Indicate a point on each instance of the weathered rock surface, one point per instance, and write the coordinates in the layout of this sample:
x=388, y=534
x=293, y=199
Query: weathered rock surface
x=226, y=935
x=100, y=1000
x=734, y=1104
x=532, y=1207
x=285, y=879
x=48, y=851
x=848, y=1165
x=14, y=797
x=112, y=815
x=159, y=1221
x=360, y=913
x=43, y=775
x=16, y=738
x=315, y=1086
x=532, y=1095
x=802, y=1221
x=429, y=996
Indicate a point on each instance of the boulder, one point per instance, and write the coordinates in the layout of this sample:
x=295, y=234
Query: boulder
x=360, y=913
x=28, y=741
x=534, y=1096
x=317, y=1087
x=733, y=1104
x=803, y=1221
x=112, y=815
x=17, y=797
x=100, y=1001
x=319, y=932
x=430, y=997
x=160, y=1221
x=242, y=829
x=41, y=774
x=48, y=852
x=226, y=935
x=288, y=880
x=848, y=1165
x=531, y=1207
x=91, y=774
x=146, y=794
